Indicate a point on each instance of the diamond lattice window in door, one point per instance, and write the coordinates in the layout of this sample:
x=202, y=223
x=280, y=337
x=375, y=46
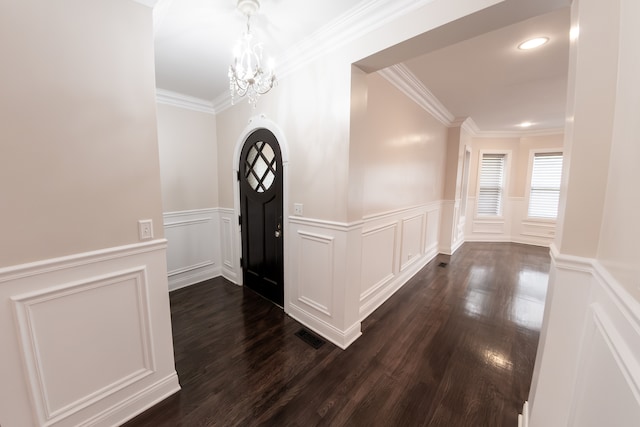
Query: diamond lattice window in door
x=260, y=167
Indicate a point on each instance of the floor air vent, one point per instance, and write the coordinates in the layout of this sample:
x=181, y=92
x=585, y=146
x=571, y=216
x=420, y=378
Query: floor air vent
x=443, y=264
x=311, y=339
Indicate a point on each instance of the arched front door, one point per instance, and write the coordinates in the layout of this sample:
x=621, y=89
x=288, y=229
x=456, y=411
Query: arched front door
x=261, y=177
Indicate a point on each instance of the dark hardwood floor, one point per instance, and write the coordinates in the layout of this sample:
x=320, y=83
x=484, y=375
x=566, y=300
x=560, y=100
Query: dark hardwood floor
x=454, y=347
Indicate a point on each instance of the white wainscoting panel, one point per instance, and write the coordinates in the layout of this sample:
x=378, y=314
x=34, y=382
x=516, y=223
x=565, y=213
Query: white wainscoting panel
x=514, y=226
x=412, y=240
x=395, y=246
x=76, y=313
x=87, y=338
x=193, y=254
x=321, y=292
x=230, y=245
x=378, y=257
x=451, y=230
x=315, y=273
x=587, y=371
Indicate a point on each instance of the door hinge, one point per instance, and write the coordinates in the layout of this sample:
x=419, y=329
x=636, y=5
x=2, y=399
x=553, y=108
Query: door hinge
x=241, y=263
x=239, y=219
x=238, y=175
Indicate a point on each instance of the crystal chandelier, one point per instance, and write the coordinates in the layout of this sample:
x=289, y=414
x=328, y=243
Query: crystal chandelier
x=247, y=75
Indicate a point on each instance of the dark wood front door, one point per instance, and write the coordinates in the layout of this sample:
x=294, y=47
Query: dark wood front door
x=260, y=175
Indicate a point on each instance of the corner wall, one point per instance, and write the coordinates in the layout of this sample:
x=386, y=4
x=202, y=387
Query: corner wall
x=514, y=225
x=84, y=307
x=587, y=370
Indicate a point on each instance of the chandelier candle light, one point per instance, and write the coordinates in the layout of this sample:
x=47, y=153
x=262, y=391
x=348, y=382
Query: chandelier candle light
x=247, y=75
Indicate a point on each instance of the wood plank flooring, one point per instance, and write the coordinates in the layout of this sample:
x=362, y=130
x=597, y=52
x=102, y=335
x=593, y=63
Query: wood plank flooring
x=454, y=347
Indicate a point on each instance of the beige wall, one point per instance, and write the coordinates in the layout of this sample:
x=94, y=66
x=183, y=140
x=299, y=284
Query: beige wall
x=618, y=248
x=79, y=163
x=188, y=159
x=520, y=149
x=405, y=155
x=315, y=122
x=312, y=105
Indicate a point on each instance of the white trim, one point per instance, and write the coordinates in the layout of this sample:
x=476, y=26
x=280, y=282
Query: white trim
x=570, y=262
x=408, y=83
x=402, y=78
x=332, y=225
x=523, y=419
x=587, y=304
x=179, y=100
x=342, y=339
x=204, y=211
x=517, y=133
x=399, y=280
x=427, y=207
x=222, y=101
x=78, y=282
x=203, y=261
x=122, y=412
x=31, y=351
x=14, y=272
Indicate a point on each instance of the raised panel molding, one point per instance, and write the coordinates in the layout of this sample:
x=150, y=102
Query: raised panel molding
x=416, y=229
x=515, y=226
x=315, y=272
x=43, y=335
x=87, y=337
x=194, y=246
x=378, y=258
x=587, y=370
x=411, y=240
x=488, y=227
x=229, y=245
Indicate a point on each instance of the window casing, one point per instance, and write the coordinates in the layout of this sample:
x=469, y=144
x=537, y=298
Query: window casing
x=544, y=191
x=491, y=185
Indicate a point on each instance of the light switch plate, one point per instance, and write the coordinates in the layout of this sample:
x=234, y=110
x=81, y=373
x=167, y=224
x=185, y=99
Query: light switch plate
x=297, y=209
x=145, y=229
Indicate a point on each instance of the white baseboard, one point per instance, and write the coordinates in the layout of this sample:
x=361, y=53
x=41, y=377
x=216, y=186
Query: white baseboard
x=194, y=248
x=342, y=339
x=230, y=275
x=523, y=419
x=193, y=276
x=396, y=283
x=136, y=404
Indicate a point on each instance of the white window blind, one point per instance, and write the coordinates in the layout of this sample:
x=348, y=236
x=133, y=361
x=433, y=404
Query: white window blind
x=491, y=185
x=545, y=185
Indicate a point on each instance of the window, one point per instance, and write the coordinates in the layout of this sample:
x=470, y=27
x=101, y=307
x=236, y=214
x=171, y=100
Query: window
x=491, y=185
x=545, y=185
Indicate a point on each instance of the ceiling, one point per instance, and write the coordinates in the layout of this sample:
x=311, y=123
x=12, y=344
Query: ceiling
x=485, y=77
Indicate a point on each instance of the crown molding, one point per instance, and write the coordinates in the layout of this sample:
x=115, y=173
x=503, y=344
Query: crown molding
x=402, y=78
x=516, y=134
x=361, y=19
x=179, y=100
x=222, y=102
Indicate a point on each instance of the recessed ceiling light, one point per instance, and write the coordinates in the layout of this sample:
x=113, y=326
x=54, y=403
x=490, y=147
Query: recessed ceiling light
x=525, y=124
x=533, y=43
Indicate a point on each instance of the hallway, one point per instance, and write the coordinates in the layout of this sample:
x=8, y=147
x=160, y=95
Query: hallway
x=454, y=347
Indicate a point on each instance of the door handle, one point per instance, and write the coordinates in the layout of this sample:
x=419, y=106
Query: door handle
x=278, y=230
